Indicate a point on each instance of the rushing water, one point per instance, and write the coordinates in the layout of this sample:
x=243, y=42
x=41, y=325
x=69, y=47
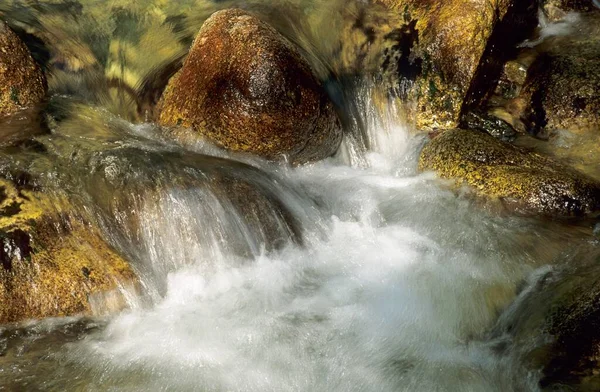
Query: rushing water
x=353, y=274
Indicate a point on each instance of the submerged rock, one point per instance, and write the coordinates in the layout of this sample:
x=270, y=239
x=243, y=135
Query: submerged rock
x=245, y=87
x=445, y=56
x=22, y=83
x=503, y=171
x=52, y=264
x=574, y=323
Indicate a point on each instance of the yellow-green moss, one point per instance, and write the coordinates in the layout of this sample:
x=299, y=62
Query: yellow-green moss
x=52, y=263
x=500, y=170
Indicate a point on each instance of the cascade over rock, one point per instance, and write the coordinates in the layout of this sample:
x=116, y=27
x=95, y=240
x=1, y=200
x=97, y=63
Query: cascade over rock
x=443, y=56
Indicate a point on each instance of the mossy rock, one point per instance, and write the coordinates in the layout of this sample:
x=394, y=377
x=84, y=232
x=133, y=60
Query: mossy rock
x=246, y=88
x=53, y=263
x=562, y=90
x=500, y=170
x=445, y=56
x=22, y=83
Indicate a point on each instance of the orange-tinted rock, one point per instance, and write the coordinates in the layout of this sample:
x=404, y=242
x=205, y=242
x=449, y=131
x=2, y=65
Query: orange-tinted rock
x=443, y=56
x=246, y=88
x=52, y=263
x=22, y=83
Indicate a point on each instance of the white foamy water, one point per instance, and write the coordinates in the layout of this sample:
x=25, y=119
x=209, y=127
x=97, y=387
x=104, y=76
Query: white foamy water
x=395, y=284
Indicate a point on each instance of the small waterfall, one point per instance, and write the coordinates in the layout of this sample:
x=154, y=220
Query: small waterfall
x=357, y=273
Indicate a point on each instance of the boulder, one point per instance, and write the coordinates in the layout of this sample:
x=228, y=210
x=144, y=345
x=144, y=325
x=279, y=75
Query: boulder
x=22, y=83
x=500, y=170
x=246, y=88
x=562, y=90
x=52, y=263
x=445, y=56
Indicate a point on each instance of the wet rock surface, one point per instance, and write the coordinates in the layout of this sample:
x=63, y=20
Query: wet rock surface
x=550, y=91
x=53, y=264
x=555, y=323
x=246, y=88
x=557, y=9
x=501, y=170
x=445, y=57
x=22, y=83
x=563, y=85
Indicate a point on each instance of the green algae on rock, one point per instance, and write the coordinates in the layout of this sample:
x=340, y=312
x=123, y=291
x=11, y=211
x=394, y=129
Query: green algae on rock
x=445, y=56
x=246, y=88
x=22, y=83
x=53, y=264
x=501, y=170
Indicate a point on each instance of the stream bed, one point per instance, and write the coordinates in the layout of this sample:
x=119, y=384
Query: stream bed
x=357, y=273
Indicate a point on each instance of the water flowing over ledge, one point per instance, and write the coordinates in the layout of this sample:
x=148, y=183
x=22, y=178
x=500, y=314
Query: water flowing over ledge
x=356, y=273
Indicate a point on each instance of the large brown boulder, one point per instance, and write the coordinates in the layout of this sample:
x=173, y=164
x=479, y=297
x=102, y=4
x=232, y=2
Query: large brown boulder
x=53, y=263
x=22, y=83
x=444, y=56
x=245, y=87
x=523, y=179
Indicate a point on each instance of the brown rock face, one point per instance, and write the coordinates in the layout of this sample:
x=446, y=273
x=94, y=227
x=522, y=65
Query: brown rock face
x=445, y=56
x=22, y=83
x=246, y=88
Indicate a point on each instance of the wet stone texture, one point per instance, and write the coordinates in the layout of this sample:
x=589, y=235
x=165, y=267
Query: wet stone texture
x=445, y=57
x=500, y=170
x=557, y=9
x=22, y=83
x=53, y=264
x=563, y=85
x=556, y=325
x=246, y=88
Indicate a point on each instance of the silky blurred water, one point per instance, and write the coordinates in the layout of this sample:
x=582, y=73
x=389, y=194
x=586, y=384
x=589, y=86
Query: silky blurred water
x=353, y=274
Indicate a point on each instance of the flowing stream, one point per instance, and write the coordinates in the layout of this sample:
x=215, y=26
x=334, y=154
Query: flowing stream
x=353, y=274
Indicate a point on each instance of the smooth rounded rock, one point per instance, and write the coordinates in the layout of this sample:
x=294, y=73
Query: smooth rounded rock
x=22, y=83
x=246, y=88
x=500, y=170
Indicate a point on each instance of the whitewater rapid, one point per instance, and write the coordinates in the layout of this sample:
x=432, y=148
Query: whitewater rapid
x=394, y=286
